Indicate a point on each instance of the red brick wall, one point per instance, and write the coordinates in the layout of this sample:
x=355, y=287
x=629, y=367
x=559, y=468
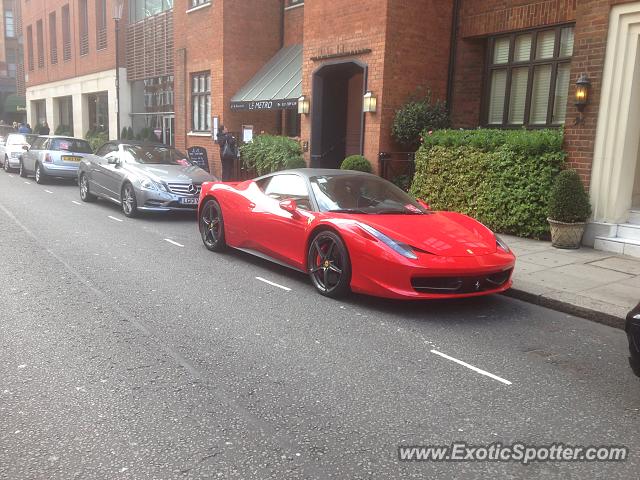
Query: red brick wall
x=482, y=18
x=94, y=61
x=359, y=25
x=417, y=56
x=198, y=47
x=233, y=40
x=293, y=26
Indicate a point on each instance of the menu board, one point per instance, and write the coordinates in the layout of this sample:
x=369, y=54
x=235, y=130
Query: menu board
x=198, y=155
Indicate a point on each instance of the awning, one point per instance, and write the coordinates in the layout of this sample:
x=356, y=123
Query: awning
x=14, y=103
x=277, y=86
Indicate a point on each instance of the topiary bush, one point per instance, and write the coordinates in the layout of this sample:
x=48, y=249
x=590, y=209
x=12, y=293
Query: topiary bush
x=500, y=177
x=96, y=138
x=417, y=116
x=568, y=199
x=63, y=130
x=271, y=153
x=356, y=162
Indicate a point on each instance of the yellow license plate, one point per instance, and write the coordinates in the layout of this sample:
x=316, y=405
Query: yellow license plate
x=67, y=158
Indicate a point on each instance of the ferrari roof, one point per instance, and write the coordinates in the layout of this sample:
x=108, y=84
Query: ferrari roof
x=319, y=172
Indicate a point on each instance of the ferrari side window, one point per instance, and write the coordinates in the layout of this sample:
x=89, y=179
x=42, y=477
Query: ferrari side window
x=284, y=187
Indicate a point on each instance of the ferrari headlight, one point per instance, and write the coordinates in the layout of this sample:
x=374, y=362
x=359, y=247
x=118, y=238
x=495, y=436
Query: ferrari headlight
x=398, y=247
x=148, y=184
x=502, y=245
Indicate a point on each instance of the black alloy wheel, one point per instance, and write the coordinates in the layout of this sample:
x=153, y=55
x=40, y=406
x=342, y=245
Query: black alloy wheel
x=329, y=265
x=5, y=165
x=212, y=226
x=22, y=172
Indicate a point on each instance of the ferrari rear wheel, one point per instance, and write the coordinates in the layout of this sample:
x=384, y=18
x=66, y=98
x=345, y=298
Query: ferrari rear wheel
x=329, y=265
x=212, y=226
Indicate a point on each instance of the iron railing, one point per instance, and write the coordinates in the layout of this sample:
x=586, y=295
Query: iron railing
x=398, y=167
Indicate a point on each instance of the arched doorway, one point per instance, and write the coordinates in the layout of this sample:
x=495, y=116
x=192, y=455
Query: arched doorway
x=337, y=121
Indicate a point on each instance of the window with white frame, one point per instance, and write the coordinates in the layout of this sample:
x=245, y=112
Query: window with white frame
x=528, y=77
x=201, y=101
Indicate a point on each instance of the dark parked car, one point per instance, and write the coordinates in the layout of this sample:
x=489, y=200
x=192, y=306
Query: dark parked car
x=632, y=327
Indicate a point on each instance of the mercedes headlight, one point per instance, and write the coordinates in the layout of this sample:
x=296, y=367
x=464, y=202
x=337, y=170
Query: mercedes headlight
x=502, y=245
x=148, y=184
x=398, y=247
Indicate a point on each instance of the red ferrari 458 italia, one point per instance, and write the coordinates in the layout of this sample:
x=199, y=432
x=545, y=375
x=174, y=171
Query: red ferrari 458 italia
x=355, y=231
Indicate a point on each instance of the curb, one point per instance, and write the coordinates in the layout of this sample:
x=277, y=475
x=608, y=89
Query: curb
x=566, y=307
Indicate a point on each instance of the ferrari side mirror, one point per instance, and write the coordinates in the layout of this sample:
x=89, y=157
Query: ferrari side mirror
x=289, y=206
x=424, y=204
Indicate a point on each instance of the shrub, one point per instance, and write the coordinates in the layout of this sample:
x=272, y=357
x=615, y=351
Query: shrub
x=63, y=130
x=271, y=153
x=417, y=116
x=96, y=138
x=123, y=134
x=502, y=178
x=356, y=162
x=130, y=133
x=568, y=200
x=402, y=181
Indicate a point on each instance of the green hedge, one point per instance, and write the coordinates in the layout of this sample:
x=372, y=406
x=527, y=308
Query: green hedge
x=356, y=162
x=501, y=177
x=271, y=153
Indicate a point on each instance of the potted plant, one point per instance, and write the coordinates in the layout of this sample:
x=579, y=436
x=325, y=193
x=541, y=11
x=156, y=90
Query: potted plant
x=569, y=210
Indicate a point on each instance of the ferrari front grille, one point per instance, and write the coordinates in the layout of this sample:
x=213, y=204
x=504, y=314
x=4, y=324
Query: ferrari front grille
x=455, y=285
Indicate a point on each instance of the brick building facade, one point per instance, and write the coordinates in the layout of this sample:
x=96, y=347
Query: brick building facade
x=603, y=142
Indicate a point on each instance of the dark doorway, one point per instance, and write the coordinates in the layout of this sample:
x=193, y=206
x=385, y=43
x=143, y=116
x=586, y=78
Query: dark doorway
x=337, y=121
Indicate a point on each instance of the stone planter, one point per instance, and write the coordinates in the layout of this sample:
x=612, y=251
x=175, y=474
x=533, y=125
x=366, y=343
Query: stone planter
x=566, y=235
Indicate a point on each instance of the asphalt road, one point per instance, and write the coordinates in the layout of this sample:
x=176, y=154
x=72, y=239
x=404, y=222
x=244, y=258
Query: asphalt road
x=127, y=350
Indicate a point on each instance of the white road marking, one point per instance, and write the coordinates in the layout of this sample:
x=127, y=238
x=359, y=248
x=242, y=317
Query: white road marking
x=48, y=191
x=173, y=243
x=274, y=284
x=471, y=367
x=75, y=203
x=116, y=219
x=28, y=183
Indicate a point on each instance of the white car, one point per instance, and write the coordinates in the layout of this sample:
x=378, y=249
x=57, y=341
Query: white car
x=11, y=152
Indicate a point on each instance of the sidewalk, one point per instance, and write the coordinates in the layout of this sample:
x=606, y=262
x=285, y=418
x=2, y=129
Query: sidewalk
x=597, y=285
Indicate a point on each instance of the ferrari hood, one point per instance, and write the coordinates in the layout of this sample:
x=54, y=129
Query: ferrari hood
x=440, y=233
x=173, y=173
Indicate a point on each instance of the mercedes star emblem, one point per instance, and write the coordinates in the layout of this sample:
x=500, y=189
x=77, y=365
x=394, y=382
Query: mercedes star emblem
x=192, y=189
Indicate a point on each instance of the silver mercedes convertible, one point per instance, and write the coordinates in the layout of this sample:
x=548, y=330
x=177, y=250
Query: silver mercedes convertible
x=141, y=177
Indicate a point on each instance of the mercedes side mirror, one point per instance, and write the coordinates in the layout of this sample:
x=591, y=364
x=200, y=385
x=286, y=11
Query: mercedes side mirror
x=25, y=147
x=289, y=206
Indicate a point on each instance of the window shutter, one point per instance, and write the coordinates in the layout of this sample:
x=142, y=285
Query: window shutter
x=566, y=42
x=497, y=96
x=562, y=93
x=501, y=50
x=518, y=97
x=522, y=51
x=540, y=95
x=546, y=44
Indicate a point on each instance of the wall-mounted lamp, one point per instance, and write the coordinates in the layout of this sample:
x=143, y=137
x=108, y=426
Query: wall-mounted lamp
x=303, y=105
x=582, y=95
x=370, y=103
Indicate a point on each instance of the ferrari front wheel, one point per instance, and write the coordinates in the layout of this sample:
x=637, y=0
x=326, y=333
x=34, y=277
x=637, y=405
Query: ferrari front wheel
x=329, y=265
x=212, y=226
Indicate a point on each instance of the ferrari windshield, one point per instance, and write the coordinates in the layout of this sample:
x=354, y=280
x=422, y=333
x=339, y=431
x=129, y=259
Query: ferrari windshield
x=154, y=155
x=366, y=194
